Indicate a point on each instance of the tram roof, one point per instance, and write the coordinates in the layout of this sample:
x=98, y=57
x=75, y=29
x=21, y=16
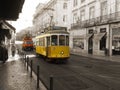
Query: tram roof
x=56, y=31
x=55, y=28
x=49, y=33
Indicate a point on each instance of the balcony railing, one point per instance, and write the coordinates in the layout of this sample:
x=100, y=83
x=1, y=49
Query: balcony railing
x=75, y=25
x=105, y=19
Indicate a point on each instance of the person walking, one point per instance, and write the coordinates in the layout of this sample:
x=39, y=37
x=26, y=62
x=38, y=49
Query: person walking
x=13, y=50
x=3, y=53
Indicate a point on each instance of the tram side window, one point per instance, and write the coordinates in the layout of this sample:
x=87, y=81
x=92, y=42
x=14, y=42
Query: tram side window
x=67, y=40
x=37, y=43
x=61, y=40
x=41, y=41
x=54, y=40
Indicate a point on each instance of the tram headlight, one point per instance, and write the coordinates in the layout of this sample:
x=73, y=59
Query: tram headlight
x=61, y=52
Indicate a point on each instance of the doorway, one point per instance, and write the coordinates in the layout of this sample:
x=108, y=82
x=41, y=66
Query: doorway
x=90, y=45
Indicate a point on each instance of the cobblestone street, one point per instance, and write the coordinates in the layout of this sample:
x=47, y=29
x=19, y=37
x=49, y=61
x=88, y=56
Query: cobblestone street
x=14, y=76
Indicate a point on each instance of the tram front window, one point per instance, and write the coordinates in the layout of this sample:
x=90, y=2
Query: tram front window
x=61, y=40
x=54, y=40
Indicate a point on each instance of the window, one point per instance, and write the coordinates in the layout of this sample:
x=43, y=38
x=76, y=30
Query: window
x=75, y=18
x=82, y=15
x=75, y=3
x=61, y=40
x=54, y=40
x=92, y=12
x=64, y=18
x=65, y=6
x=82, y=1
x=104, y=8
x=41, y=41
x=78, y=43
x=29, y=42
x=118, y=5
x=37, y=42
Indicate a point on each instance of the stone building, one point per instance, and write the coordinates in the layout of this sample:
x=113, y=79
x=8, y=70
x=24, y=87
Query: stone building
x=7, y=34
x=95, y=27
x=55, y=12
x=93, y=24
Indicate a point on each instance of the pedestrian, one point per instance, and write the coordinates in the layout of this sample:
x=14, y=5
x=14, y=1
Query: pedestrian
x=3, y=53
x=13, y=50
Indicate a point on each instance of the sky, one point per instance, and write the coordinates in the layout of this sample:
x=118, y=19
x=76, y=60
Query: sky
x=26, y=16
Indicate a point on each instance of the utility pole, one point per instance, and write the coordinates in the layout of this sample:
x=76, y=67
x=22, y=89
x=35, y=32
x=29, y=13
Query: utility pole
x=51, y=15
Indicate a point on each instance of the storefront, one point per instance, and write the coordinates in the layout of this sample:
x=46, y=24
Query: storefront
x=99, y=43
x=116, y=41
x=89, y=39
x=78, y=42
x=97, y=40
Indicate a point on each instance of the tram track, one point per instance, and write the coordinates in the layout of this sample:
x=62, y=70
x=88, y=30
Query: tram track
x=93, y=80
x=97, y=77
x=80, y=74
x=82, y=81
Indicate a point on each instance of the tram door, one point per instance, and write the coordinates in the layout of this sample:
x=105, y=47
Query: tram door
x=48, y=43
x=90, y=46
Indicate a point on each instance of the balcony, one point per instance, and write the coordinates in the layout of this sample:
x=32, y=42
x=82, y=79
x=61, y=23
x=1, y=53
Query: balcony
x=75, y=25
x=101, y=20
x=114, y=17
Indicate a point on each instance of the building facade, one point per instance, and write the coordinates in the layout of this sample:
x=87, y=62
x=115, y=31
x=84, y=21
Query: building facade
x=55, y=12
x=7, y=34
x=95, y=27
x=93, y=24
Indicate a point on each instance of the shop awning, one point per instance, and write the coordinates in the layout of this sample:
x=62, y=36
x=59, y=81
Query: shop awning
x=5, y=30
x=88, y=36
x=98, y=36
x=9, y=26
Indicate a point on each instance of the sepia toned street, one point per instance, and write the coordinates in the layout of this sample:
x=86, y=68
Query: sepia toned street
x=80, y=73
x=60, y=45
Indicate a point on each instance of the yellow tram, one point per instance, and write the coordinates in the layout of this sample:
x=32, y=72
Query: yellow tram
x=53, y=44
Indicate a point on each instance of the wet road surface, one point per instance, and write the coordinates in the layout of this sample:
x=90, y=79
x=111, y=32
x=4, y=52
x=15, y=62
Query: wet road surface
x=80, y=73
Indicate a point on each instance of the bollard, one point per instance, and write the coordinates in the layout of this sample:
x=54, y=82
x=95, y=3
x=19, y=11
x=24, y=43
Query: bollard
x=37, y=76
x=31, y=68
x=27, y=62
x=51, y=82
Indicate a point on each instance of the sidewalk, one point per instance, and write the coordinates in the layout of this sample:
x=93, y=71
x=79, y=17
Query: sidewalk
x=14, y=76
x=115, y=58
